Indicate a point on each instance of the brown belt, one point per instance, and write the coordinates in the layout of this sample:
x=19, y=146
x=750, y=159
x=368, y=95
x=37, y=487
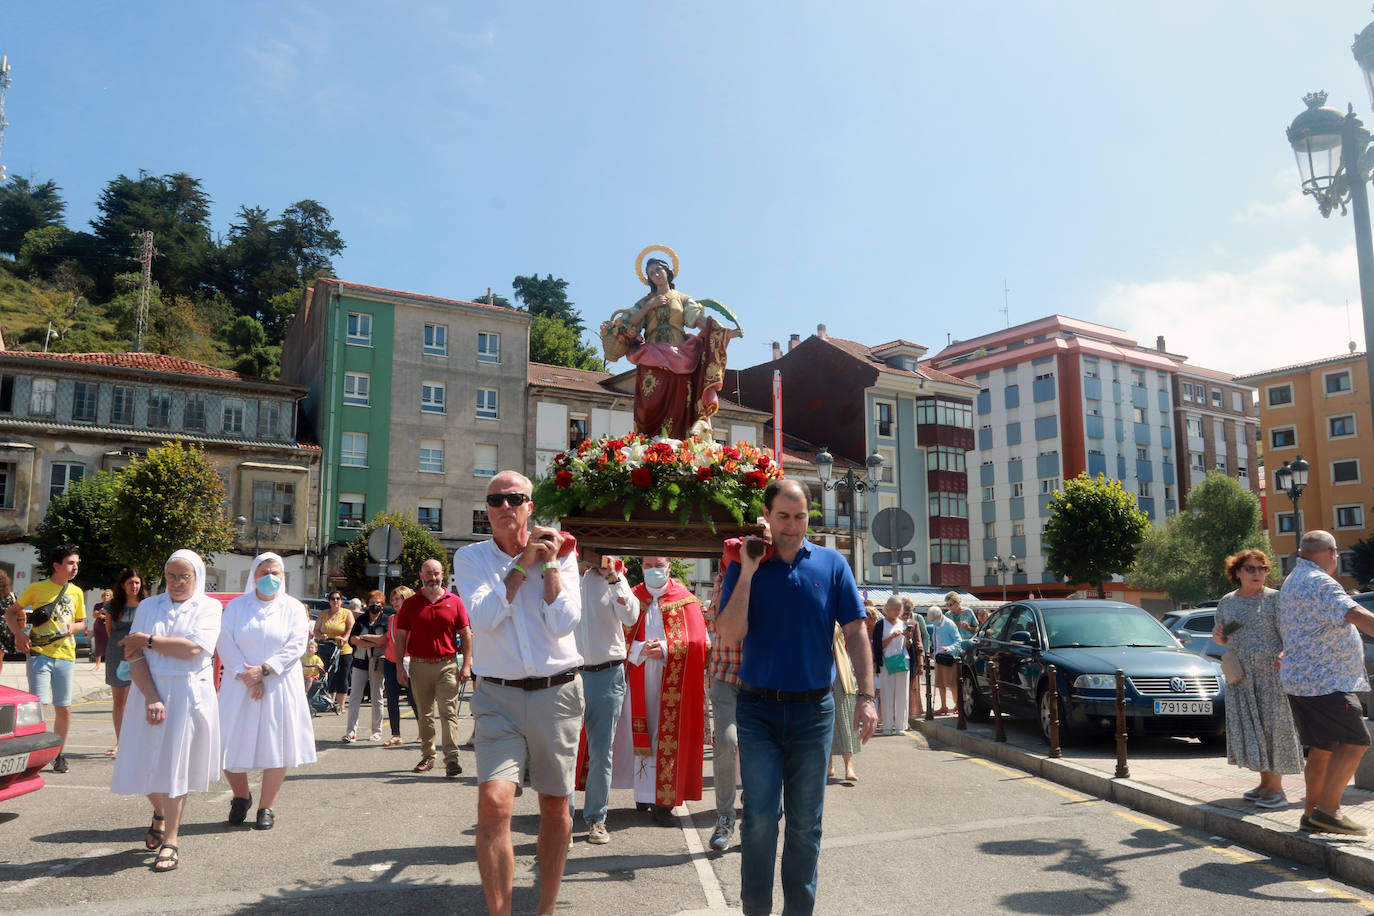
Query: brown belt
x=438, y=659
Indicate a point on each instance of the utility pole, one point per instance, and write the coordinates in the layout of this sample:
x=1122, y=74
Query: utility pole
x=145, y=258
x=4, y=84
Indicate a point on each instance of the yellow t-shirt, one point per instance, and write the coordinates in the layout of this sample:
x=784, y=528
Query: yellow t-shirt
x=71, y=608
x=312, y=666
x=335, y=626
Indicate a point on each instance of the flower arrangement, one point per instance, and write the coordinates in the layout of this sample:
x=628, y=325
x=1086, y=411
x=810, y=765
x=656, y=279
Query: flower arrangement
x=687, y=477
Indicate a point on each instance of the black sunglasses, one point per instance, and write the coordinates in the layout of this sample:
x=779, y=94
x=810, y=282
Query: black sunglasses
x=336, y=597
x=510, y=499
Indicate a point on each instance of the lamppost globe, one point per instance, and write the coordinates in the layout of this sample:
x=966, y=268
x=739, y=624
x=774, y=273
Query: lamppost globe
x=875, y=467
x=1283, y=478
x=825, y=464
x=1300, y=472
x=1315, y=136
x=1363, y=49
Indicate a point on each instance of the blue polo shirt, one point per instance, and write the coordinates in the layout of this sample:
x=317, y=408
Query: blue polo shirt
x=793, y=609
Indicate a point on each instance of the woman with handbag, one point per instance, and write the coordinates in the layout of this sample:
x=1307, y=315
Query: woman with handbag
x=845, y=742
x=943, y=635
x=1259, y=724
x=893, y=678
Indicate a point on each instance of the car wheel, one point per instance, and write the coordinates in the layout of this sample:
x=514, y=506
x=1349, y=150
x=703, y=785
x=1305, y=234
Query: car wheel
x=1067, y=735
x=976, y=709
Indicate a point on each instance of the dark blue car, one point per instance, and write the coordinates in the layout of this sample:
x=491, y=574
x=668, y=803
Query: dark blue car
x=1169, y=690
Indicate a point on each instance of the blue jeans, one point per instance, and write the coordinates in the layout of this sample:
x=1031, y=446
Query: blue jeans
x=50, y=679
x=784, y=751
x=603, y=693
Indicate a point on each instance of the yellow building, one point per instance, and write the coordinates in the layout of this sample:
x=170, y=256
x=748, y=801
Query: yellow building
x=1321, y=412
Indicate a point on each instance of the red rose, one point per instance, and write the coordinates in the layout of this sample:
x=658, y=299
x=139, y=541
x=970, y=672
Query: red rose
x=563, y=478
x=761, y=462
x=729, y=451
x=703, y=473
x=756, y=479
x=642, y=477
x=561, y=459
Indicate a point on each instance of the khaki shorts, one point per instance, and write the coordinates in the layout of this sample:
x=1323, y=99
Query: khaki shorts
x=538, y=727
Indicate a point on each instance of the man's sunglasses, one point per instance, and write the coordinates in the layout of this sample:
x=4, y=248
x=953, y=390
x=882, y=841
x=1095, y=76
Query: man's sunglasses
x=510, y=499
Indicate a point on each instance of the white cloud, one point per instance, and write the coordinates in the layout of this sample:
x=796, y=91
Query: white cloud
x=1290, y=307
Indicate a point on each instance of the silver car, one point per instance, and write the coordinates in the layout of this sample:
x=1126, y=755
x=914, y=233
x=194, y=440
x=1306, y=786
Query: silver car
x=1194, y=628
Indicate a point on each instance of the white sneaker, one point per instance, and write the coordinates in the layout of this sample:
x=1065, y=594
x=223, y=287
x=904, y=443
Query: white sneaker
x=598, y=835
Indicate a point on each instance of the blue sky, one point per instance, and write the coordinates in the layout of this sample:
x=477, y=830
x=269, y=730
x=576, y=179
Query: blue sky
x=879, y=167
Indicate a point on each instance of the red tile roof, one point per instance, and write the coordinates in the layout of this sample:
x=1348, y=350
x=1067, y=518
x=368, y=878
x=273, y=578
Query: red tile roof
x=150, y=362
x=866, y=353
x=546, y=375
x=1330, y=360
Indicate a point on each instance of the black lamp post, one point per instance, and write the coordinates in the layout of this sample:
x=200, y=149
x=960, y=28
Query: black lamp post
x=1004, y=567
x=273, y=530
x=825, y=465
x=1292, y=479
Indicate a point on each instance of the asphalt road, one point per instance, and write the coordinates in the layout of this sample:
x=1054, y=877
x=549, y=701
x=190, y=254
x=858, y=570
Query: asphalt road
x=358, y=833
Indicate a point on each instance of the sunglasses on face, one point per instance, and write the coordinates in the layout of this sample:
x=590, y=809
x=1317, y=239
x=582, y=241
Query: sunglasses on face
x=510, y=499
x=1255, y=570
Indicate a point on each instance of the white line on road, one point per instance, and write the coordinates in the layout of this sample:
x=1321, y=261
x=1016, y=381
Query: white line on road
x=710, y=884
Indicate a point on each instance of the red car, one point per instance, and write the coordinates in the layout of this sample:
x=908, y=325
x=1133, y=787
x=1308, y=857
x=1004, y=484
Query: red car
x=26, y=745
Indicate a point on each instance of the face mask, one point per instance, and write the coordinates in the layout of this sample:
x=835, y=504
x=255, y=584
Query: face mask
x=269, y=585
x=122, y=671
x=655, y=577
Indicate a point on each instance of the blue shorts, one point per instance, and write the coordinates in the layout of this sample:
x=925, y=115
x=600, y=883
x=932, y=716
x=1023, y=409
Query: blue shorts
x=50, y=679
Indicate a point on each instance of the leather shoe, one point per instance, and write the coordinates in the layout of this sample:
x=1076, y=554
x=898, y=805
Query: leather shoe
x=453, y=769
x=265, y=819
x=663, y=816
x=238, y=809
x=424, y=766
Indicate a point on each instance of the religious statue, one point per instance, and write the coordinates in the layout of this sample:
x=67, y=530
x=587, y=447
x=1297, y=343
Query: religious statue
x=678, y=374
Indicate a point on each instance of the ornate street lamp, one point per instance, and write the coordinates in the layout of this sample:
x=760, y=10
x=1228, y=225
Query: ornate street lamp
x=1292, y=479
x=825, y=466
x=1009, y=565
x=274, y=529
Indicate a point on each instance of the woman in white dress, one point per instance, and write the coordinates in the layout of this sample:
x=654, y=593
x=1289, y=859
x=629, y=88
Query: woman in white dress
x=262, y=705
x=173, y=747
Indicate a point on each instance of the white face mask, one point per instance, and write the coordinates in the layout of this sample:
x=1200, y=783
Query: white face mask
x=655, y=578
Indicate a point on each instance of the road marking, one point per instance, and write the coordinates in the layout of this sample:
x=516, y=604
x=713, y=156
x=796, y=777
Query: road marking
x=938, y=830
x=710, y=884
x=1019, y=776
x=1244, y=857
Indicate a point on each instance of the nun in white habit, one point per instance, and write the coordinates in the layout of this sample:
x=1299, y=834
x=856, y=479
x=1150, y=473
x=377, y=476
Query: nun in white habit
x=262, y=705
x=173, y=747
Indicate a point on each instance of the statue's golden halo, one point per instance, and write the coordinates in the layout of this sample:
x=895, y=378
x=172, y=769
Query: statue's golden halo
x=639, y=262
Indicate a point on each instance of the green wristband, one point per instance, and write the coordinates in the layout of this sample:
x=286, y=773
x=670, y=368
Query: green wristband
x=516, y=567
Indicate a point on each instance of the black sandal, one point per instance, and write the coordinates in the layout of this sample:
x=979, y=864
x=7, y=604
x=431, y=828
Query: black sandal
x=159, y=864
x=154, y=837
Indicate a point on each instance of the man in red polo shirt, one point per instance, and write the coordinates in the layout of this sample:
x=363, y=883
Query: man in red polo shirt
x=433, y=626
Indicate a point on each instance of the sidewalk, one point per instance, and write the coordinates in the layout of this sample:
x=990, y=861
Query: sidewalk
x=86, y=684
x=1182, y=782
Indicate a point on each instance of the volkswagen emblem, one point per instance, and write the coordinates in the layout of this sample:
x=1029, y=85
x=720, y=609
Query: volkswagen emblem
x=1178, y=685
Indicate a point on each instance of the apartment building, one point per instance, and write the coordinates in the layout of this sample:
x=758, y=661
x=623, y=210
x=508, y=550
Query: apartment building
x=1215, y=426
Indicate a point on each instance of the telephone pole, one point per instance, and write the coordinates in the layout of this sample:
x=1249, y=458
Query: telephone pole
x=145, y=258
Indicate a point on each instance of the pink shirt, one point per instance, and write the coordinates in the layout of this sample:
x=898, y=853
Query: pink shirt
x=391, y=640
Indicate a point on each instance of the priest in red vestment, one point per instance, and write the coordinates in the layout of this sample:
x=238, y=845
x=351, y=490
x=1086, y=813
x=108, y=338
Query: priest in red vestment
x=667, y=691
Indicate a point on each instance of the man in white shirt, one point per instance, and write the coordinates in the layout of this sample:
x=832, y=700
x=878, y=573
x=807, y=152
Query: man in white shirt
x=608, y=606
x=524, y=609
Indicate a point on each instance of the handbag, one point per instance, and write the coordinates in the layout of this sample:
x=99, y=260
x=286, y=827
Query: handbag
x=895, y=664
x=1232, y=668
x=42, y=614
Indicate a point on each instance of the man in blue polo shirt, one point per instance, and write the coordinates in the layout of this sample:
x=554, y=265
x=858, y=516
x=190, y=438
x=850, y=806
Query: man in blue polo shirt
x=783, y=611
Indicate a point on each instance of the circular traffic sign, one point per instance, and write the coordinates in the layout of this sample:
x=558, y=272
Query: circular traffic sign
x=385, y=544
x=893, y=528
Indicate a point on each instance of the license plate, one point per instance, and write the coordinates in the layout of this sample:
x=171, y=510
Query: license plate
x=1183, y=707
x=16, y=763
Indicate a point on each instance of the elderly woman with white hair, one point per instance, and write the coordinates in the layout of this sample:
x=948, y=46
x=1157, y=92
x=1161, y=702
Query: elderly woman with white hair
x=173, y=747
x=263, y=710
x=943, y=635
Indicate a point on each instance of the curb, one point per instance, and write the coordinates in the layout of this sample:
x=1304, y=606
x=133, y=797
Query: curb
x=1354, y=864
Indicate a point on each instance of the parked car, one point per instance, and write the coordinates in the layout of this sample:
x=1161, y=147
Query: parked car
x=315, y=606
x=1194, y=628
x=1169, y=690
x=26, y=745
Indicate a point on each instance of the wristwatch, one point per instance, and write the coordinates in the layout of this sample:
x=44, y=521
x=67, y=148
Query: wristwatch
x=150, y=640
x=613, y=580
x=264, y=669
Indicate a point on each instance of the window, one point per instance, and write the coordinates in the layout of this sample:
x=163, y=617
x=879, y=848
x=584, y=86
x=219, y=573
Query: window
x=122, y=406
x=1142, y=454
x=945, y=458
x=1216, y=398
x=1347, y=471
x=84, y=397
x=193, y=415
x=357, y=389
x=1044, y=375
x=62, y=475
x=1337, y=382
x=432, y=456
x=43, y=397
x=1345, y=563
x=1090, y=368
x=1237, y=403
x=487, y=404
x=577, y=431
x=488, y=347
x=352, y=510
x=1139, y=415
x=1221, y=465
x=6, y=394
x=480, y=523
x=430, y=514
x=233, y=416
x=989, y=494
x=1351, y=516
x=990, y=530
x=1137, y=378
x=1168, y=492
x=1242, y=471
x=1186, y=390
x=436, y=340
x=949, y=505
x=1195, y=461
x=1017, y=490
x=1340, y=427
x=269, y=419
x=359, y=329
x=883, y=414
x=1283, y=437
x=8, y=482
x=1049, y=484
x=272, y=498
x=944, y=550
x=1018, y=528
x=1142, y=488
x=1280, y=395
x=353, y=450
x=1194, y=426
x=945, y=413
x=1285, y=522
x=431, y=397
x=159, y=409
x=485, y=460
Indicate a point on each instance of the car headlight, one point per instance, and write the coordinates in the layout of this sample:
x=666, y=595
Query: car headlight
x=1095, y=682
x=29, y=714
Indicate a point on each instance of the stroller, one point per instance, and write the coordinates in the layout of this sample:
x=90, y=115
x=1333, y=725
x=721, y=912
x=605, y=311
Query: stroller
x=319, y=696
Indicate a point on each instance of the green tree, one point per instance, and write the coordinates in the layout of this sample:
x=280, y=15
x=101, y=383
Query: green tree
x=1094, y=531
x=24, y=207
x=306, y=241
x=553, y=342
x=81, y=515
x=490, y=298
x=1187, y=556
x=177, y=210
x=548, y=297
x=1362, y=561
x=420, y=546
x=172, y=499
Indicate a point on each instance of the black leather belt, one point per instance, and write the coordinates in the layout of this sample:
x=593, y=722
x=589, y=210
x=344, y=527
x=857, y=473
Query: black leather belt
x=535, y=683
x=785, y=696
x=604, y=665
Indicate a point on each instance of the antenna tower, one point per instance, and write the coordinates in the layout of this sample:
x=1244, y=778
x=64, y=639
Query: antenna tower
x=4, y=84
x=145, y=258
x=1006, y=302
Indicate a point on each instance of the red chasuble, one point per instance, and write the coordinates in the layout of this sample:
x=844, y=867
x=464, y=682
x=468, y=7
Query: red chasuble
x=682, y=699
